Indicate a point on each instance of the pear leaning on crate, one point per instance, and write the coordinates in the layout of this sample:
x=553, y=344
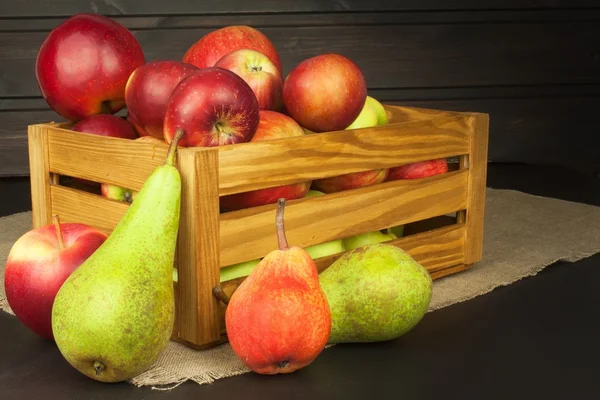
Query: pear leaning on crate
x=278, y=319
x=114, y=315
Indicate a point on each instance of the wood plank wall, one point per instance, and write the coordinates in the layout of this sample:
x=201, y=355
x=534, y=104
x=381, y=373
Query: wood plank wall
x=534, y=65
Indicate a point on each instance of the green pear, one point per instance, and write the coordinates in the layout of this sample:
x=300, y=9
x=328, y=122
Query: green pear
x=375, y=293
x=238, y=270
x=380, y=112
x=327, y=248
x=114, y=315
x=366, y=118
x=364, y=239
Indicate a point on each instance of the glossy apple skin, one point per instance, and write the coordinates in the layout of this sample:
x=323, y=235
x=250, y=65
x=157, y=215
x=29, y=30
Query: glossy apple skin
x=418, y=170
x=259, y=72
x=106, y=125
x=36, y=268
x=351, y=181
x=147, y=93
x=214, y=107
x=214, y=45
x=325, y=93
x=272, y=125
x=83, y=66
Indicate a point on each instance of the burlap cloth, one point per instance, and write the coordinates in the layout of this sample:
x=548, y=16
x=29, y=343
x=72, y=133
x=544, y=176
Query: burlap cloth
x=523, y=234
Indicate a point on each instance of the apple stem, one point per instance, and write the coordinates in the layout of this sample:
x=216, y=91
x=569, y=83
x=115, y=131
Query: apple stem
x=56, y=222
x=173, y=146
x=281, y=239
x=220, y=294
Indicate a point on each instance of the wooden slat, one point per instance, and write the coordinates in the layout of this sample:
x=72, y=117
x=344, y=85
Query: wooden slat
x=477, y=160
x=198, y=248
x=40, y=176
x=77, y=206
x=122, y=162
x=251, y=166
x=250, y=233
x=440, y=251
x=30, y=8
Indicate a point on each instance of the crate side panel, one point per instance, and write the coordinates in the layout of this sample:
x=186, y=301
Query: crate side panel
x=126, y=163
x=250, y=233
x=252, y=166
x=73, y=205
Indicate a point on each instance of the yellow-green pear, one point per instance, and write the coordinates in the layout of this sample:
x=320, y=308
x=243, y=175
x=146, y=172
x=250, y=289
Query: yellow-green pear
x=238, y=270
x=375, y=293
x=114, y=315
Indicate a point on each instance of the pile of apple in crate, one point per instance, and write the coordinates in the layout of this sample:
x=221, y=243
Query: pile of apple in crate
x=107, y=300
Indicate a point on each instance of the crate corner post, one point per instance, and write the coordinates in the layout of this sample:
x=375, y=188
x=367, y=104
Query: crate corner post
x=40, y=176
x=198, y=248
x=476, y=162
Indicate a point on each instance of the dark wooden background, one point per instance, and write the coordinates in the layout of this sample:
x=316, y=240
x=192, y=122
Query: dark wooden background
x=534, y=65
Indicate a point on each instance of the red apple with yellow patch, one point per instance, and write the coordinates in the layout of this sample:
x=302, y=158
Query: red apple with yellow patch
x=258, y=71
x=214, y=107
x=325, y=93
x=38, y=264
x=213, y=46
x=83, y=65
x=148, y=91
x=419, y=170
x=272, y=125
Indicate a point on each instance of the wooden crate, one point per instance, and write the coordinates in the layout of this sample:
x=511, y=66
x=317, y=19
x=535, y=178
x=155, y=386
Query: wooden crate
x=209, y=240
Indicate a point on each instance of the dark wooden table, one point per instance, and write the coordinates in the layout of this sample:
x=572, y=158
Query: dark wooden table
x=534, y=339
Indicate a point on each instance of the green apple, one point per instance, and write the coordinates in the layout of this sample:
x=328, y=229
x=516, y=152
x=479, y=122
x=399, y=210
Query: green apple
x=368, y=238
x=326, y=249
x=380, y=112
x=238, y=270
x=313, y=193
x=398, y=230
x=366, y=118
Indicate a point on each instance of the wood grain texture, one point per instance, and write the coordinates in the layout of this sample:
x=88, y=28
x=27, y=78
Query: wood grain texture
x=198, y=248
x=40, y=176
x=28, y=8
x=121, y=162
x=250, y=233
x=77, y=206
x=251, y=166
x=390, y=55
x=477, y=169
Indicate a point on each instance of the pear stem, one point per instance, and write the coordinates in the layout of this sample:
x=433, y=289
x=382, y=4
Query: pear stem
x=220, y=294
x=59, y=235
x=173, y=146
x=281, y=239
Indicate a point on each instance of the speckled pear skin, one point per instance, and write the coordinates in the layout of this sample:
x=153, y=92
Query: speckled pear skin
x=114, y=315
x=376, y=293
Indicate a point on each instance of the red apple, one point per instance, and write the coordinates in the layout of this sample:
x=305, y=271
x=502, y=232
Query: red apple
x=214, y=107
x=260, y=73
x=351, y=181
x=418, y=170
x=148, y=91
x=214, y=45
x=272, y=125
x=83, y=65
x=37, y=266
x=325, y=93
x=106, y=125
